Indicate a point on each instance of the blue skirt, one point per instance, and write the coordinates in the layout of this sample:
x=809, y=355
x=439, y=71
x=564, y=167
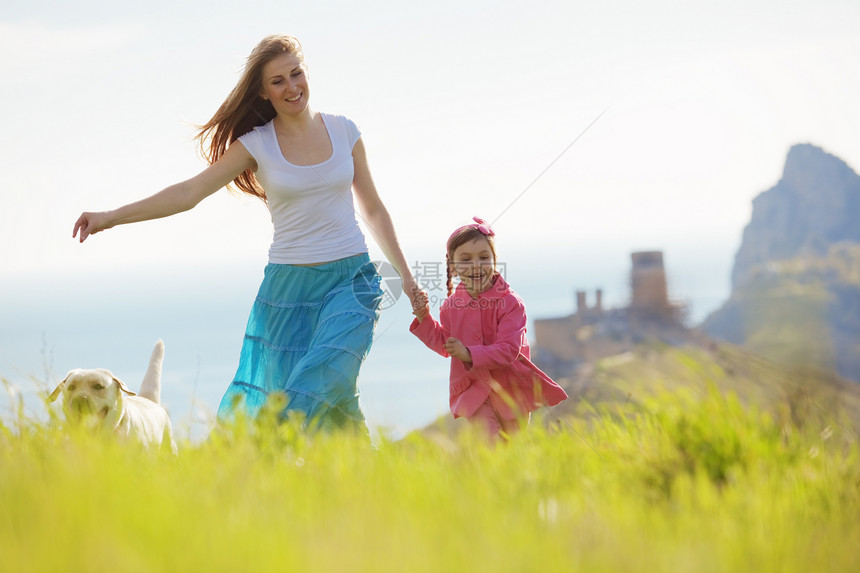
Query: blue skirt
x=309, y=331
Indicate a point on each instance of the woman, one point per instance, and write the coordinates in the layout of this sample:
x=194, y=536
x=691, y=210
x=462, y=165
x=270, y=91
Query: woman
x=312, y=322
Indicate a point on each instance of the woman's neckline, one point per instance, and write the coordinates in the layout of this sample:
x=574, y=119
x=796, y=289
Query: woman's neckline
x=274, y=134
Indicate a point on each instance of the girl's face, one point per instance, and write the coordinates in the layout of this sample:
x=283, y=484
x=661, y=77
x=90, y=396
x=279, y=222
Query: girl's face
x=285, y=84
x=473, y=262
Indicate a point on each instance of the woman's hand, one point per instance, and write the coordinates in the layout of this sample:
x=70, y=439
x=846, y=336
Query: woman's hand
x=90, y=224
x=457, y=349
x=413, y=291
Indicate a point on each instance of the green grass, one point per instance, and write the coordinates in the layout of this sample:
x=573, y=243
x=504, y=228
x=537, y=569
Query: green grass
x=689, y=483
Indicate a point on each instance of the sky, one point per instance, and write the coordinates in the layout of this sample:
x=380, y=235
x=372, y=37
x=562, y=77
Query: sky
x=581, y=129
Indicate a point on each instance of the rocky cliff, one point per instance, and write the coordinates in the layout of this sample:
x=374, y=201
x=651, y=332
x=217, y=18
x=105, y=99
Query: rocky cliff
x=816, y=204
x=796, y=279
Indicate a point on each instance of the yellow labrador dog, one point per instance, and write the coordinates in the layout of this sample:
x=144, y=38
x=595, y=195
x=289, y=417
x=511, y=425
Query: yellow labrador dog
x=99, y=393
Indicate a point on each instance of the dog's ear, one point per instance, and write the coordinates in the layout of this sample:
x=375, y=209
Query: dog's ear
x=122, y=386
x=53, y=395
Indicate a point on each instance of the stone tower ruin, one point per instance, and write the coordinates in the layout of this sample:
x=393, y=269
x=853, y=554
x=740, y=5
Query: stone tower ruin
x=593, y=332
x=648, y=282
x=649, y=294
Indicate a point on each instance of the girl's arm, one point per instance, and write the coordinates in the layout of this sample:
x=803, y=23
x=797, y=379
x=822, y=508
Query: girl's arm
x=433, y=334
x=379, y=222
x=173, y=199
x=510, y=335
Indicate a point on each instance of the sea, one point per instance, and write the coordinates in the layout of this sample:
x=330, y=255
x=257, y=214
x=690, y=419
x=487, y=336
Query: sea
x=52, y=324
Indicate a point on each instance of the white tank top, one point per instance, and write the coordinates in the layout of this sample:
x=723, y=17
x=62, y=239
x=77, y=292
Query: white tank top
x=312, y=209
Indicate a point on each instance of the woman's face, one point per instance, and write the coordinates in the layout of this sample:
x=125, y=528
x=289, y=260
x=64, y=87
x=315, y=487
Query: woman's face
x=285, y=84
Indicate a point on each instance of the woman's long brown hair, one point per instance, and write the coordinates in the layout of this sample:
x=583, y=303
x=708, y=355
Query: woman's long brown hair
x=244, y=109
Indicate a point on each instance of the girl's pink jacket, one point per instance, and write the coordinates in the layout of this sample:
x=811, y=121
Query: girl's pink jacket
x=493, y=328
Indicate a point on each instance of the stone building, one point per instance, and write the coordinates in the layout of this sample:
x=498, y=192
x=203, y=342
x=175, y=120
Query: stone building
x=593, y=332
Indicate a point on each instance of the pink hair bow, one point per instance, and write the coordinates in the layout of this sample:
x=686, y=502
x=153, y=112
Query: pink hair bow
x=478, y=224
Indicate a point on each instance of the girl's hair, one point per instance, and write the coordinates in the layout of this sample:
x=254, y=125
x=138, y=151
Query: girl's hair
x=462, y=236
x=244, y=108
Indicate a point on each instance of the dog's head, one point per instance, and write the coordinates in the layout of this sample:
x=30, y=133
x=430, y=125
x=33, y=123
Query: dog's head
x=92, y=393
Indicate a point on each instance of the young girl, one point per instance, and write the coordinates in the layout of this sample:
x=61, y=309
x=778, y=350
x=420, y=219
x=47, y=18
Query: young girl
x=482, y=327
x=312, y=322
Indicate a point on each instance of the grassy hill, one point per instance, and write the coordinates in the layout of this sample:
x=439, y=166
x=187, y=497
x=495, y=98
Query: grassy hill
x=793, y=395
x=803, y=311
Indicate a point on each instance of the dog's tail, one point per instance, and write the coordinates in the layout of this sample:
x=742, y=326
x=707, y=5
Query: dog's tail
x=150, y=388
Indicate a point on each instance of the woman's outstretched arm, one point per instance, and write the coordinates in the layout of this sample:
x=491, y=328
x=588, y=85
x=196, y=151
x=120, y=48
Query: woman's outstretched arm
x=173, y=199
